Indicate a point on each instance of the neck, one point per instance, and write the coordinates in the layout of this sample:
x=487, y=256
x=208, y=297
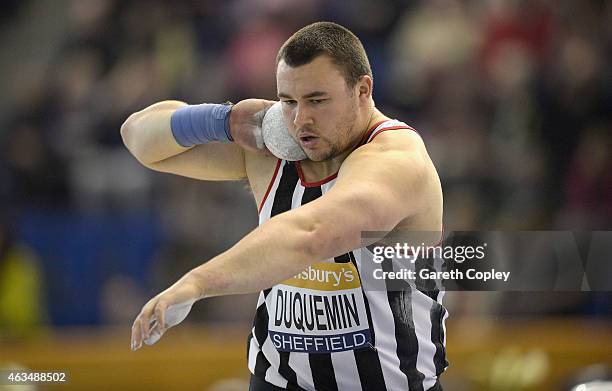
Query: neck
x=375, y=117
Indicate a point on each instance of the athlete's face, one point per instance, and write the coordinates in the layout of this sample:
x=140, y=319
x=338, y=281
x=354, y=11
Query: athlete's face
x=318, y=107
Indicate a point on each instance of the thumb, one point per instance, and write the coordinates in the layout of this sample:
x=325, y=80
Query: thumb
x=176, y=313
x=155, y=334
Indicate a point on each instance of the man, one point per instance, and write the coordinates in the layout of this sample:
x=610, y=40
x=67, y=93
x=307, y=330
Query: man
x=316, y=326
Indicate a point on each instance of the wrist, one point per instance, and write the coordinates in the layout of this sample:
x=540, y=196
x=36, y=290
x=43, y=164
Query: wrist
x=200, y=124
x=194, y=278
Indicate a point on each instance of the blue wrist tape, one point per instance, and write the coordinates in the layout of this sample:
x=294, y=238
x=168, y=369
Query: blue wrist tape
x=200, y=124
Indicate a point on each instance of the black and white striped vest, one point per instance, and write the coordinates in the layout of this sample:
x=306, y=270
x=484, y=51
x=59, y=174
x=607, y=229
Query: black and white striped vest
x=323, y=330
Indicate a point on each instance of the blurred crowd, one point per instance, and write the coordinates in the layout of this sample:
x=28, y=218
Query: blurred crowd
x=512, y=98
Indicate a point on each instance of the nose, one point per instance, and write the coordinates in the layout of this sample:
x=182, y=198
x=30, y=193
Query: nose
x=302, y=116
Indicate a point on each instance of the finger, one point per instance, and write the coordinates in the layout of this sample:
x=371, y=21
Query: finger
x=136, y=335
x=146, y=315
x=160, y=315
x=268, y=103
x=155, y=335
x=144, y=328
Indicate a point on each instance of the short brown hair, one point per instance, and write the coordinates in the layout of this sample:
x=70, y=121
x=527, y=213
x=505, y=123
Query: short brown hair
x=339, y=43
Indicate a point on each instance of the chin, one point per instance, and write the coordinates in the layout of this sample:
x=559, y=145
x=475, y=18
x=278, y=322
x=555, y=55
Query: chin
x=315, y=157
x=320, y=156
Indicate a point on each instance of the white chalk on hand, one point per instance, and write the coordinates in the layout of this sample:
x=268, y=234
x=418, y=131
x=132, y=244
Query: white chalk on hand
x=174, y=315
x=276, y=136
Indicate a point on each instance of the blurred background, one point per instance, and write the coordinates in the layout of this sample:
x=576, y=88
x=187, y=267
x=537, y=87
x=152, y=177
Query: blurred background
x=513, y=99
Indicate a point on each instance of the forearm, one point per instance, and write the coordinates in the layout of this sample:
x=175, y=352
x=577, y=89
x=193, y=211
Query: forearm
x=288, y=243
x=147, y=133
x=273, y=252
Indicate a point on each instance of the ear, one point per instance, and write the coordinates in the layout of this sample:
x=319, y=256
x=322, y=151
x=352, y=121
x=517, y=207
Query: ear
x=364, y=85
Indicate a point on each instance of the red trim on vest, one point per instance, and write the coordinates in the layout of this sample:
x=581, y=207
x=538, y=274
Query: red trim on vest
x=263, y=201
x=393, y=128
x=323, y=181
x=366, y=136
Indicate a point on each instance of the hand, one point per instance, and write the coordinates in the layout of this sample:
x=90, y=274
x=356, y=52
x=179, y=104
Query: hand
x=165, y=310
x=245, y=123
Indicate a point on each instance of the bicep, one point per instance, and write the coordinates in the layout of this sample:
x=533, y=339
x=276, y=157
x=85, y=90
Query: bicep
x=373, y=193
x=213, y=161
x=376, y=196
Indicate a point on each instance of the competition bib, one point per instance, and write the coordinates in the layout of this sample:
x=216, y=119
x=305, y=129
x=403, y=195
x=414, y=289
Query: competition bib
x=320, y=310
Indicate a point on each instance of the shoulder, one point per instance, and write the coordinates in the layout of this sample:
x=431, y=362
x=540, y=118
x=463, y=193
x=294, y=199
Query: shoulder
x=394, y=161
x=395, y=169
x=393, y=144
x=395, y=135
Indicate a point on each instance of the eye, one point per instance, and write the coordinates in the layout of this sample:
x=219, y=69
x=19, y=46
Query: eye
x=317, y=101
x=289, y=102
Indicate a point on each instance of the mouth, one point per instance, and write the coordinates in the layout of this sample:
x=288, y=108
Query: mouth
x=308, y=141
